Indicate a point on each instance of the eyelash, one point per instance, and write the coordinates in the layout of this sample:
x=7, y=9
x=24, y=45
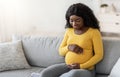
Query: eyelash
x=75, y=21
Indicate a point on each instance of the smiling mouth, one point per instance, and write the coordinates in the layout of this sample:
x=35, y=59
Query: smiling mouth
x=75, y=26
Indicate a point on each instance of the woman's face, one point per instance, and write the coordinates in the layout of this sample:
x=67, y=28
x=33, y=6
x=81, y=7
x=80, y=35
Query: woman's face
x=76, y=22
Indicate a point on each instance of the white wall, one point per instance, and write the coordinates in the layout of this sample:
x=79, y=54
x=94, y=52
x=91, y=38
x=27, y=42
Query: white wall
x=114, y=3
x=31, y=16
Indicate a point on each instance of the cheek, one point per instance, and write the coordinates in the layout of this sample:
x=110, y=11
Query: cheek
x=70, y=23
x=81, y=24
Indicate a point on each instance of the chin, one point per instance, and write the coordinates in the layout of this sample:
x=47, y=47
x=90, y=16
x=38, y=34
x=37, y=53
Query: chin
x=76, y=28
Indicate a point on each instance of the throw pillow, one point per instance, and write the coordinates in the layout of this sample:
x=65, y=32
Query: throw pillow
x=12, y=56
x=115, y=72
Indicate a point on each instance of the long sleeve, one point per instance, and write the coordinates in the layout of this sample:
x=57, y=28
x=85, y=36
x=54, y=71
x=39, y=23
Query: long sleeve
x=63, y=49
x=98, y=51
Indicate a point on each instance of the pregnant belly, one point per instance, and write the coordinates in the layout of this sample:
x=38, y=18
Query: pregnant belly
x=72, y=57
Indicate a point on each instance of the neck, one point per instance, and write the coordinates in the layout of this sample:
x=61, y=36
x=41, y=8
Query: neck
x=81, y=30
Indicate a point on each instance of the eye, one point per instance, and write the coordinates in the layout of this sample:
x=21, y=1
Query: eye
x=78, y=20
x=71, y=21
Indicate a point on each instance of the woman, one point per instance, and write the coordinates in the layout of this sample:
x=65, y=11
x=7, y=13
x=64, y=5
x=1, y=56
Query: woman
x=81, y=46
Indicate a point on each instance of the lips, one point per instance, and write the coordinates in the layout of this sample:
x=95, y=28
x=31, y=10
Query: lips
x=75, y=26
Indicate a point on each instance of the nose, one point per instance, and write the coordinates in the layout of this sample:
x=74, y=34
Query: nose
x=74, y=23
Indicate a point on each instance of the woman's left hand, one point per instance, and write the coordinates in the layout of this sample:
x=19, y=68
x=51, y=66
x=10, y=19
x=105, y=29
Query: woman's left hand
x=75, y=48
x=74, y=66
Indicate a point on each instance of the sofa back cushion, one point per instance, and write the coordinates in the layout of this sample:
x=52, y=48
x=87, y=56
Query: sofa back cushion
x=111, y=55
x=41, y=50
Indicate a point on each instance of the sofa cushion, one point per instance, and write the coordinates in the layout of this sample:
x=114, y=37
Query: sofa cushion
x=21, y=73
x=41, y=50
x=115, y=72
x=12, y=56
x=101, y=75
x=111, y=55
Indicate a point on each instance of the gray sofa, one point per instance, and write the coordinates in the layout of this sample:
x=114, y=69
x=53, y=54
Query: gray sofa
x=42, y=51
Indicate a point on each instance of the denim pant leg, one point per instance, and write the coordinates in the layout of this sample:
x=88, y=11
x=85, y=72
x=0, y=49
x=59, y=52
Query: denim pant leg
x=54, y=70
x=79, y=73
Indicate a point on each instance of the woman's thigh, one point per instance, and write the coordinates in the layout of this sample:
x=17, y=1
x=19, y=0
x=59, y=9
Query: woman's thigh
x=79, y=73
x=54, y=70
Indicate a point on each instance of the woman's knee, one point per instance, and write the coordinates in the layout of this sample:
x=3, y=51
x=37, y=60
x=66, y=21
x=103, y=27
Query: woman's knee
x=78, y=73
x=81, y=73
x=54, y=70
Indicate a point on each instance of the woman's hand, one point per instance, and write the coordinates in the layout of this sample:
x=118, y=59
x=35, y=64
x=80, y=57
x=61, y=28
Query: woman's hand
x=74, y=66
x=75, y=48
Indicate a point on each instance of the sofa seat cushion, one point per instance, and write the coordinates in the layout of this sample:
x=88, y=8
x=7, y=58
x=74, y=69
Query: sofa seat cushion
x=21, y=73
x=102, y=76
x=41, y=50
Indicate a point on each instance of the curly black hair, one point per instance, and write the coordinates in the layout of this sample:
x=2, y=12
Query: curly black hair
x=83, y=11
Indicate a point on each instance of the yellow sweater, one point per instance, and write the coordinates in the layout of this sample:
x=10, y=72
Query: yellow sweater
x=89, y=41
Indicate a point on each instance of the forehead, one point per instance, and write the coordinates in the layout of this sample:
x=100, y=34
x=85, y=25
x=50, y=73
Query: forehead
x=75, y=17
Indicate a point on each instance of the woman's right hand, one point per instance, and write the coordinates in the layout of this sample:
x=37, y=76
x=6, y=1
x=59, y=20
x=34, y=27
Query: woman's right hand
x=74, y=66
x=75, y=48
